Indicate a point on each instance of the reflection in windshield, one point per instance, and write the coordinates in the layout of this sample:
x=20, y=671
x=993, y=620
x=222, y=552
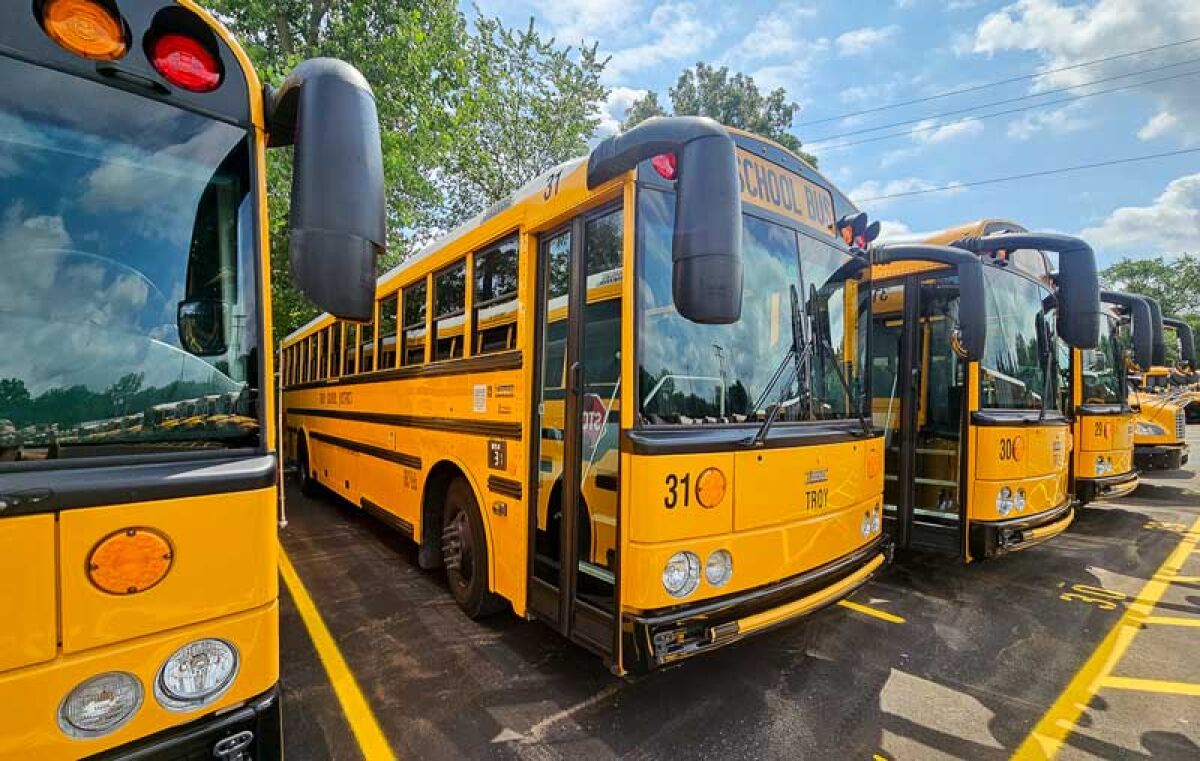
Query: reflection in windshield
x=1013, y=368
x=694, y=374
x=110, y=217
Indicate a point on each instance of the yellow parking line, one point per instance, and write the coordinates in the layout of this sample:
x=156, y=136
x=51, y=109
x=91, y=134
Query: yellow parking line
x=868, y=610
x=363, y=724
x=1182, y=579
x=1171, y=621
x=1051, y=731
x=1152, y=685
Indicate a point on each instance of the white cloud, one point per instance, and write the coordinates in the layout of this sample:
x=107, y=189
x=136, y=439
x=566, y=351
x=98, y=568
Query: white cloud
x=574, y=21
x=1160, y=124
x=681, y=31
x=890, y=229
x=860, y=41
x=779, y=34
x=612, y=111
x=926, y=132
x=1068, y=34
x=874, y=189
x=1059, y=122
x=1169, y=225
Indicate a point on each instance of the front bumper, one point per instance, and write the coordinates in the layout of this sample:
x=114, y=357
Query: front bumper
x=991, y=538
x=1161, y=457
x=1106, y=487
x=656, y=638
x=256, y=729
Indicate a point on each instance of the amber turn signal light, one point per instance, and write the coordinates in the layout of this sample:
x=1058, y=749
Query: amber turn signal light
x=84, y=27
x=130, y=561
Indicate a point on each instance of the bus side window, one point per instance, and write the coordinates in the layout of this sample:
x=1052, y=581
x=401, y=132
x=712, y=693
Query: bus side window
x=350, y=344
x=449, y=311
x=495, y=305
x=366, y=342
x=413, y=333
x=335, y=348
x=323, y=354
x=387, y=331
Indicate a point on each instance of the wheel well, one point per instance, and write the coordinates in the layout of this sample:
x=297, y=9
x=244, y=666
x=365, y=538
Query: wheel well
x=432, y=501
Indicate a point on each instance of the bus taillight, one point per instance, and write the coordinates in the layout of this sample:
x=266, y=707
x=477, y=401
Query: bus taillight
x=85, y=27
x=186, y=62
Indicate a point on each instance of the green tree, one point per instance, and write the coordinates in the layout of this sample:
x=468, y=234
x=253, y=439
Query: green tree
x=733, y=100
x=529, y=104
x=413, y=54
x=1172, y=281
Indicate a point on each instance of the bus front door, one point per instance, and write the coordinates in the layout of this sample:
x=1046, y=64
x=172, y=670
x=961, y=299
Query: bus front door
x=920, y=403
x=574, y=537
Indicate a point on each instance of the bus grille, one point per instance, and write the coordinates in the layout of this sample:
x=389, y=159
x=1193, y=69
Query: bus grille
x=1180, y=425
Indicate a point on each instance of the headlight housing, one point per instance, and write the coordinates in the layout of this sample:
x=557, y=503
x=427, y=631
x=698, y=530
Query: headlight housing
x=681, y=575
x=1150, y=429
x=196, y=674
x=1004, y=501
x=876, y=517
x=100, y=705
x=718, y=569
x=1019, y=501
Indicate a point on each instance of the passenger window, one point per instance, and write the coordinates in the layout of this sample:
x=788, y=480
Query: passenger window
x=387, y=332
x=335, y=352
x=449, y=311
x=413, y=333
x=314, y=358
x=366, y=340
x=350, y=341
x=495, y=301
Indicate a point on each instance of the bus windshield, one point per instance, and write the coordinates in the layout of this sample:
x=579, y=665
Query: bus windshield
x=1100, y=367
x=112, y=215
x=1013, y=369
x=696, y=374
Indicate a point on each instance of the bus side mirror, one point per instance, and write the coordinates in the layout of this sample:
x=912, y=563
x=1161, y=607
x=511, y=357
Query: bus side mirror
x=337, y=230
x=706, y=245
x=202, y=327
x=972, y=310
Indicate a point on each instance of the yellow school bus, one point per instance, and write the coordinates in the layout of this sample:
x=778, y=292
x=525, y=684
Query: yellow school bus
x=1102, y=418
x=1184, y=376
x=1160, y=426
x=963, y=354
x=137, y=508
x=627, y=400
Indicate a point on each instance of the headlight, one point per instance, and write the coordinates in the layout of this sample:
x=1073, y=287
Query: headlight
x=100, y=704
x=1004, y=501
x=1150, y=429
x=876, y=517
x=196, y=674
x=719, y=568
x=864, y=528
x=681, y=575
x=1019, y=502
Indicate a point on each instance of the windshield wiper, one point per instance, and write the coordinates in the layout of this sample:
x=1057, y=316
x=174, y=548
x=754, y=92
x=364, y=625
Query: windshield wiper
x=800, y=355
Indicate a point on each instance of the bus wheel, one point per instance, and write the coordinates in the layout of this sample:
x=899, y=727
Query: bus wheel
x=464, y=552
x=308, y=484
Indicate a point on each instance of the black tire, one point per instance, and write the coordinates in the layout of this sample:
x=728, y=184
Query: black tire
x=464, y=552
x=308, y=484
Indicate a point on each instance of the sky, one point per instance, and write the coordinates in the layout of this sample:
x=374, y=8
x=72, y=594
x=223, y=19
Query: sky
x=835, y=57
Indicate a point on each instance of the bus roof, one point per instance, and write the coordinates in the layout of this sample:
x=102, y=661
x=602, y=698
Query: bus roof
x=842, y=203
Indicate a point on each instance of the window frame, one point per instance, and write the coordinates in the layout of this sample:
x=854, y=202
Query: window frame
x=497, y=249
x=404, y=326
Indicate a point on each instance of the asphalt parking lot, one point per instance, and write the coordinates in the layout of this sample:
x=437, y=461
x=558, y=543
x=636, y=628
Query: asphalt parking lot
x=1084, y=647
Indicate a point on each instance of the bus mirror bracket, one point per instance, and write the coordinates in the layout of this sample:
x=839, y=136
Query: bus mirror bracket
x=706, y=243
x=337, y=231
x=1139, y=313
x=971, y=332
x=1078, y=284
x=1187, y=340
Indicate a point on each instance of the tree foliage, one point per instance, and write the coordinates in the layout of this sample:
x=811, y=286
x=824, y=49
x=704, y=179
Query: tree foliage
x=1172, y=281
x=733, y=100
x=528, y=105
x=466, y=115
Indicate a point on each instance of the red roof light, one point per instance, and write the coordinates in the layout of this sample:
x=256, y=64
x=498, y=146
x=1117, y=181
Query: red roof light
x=186, y=63
x=665, y=165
